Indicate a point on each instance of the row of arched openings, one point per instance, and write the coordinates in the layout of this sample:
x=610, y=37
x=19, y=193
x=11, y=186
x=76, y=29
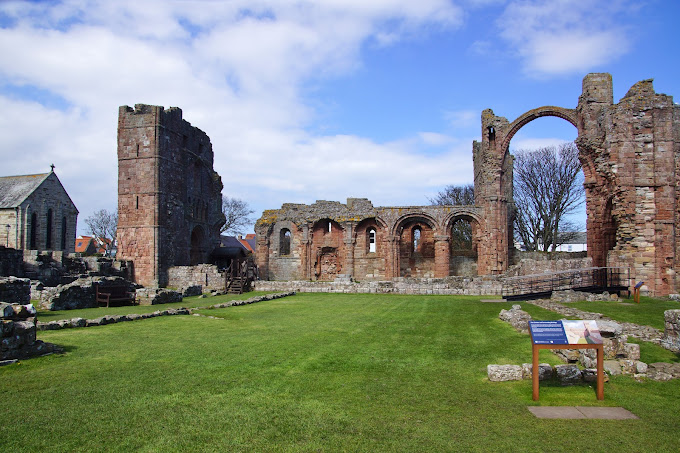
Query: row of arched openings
x=461, y=238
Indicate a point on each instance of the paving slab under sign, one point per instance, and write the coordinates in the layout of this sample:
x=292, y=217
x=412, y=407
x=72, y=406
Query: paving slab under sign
x=582, y=412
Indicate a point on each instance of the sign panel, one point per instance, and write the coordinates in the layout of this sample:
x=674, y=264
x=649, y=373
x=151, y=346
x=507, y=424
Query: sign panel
x=565, y=332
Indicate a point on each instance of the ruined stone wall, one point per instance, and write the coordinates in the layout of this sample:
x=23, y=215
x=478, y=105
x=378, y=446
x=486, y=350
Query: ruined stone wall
x=206, y=275
x=630, y=154
x=477, y=286
x=11, y=262
x=320, y=253
x=169, y=196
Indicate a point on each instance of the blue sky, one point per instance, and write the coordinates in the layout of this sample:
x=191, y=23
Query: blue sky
x=311, y=99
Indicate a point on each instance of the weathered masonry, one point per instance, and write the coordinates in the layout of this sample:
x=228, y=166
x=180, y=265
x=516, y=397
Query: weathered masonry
x=36, y=213
x=169, y=196
x=328, y=239
x=630, y=153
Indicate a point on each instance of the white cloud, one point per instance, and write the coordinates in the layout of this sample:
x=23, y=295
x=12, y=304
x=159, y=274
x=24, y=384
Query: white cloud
x=235, y=68
x=555, y=37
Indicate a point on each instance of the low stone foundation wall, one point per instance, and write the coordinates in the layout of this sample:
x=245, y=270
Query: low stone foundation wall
x=17, y=334
x=476, y=286
x=206, y=275
x=620, y=357
x=112, y=319
x=529, y=263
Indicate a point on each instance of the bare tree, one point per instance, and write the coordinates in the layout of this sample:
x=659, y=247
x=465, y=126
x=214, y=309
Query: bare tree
x=548, y=186
x=464, y=195
x=237, y=213
x=104, y=224
x=455, y=195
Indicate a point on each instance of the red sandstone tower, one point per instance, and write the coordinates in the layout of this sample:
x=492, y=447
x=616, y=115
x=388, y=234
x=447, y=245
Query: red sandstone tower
x=169, y=196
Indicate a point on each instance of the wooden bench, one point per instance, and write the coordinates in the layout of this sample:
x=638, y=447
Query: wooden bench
x=116, y=294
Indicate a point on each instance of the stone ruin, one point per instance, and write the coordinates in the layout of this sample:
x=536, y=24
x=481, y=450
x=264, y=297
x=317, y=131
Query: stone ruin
x=169, y=196
x=620, y=357
x=18, y=323
x=630, y=155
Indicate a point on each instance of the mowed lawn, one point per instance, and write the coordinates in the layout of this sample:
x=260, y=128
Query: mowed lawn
x=314, y=372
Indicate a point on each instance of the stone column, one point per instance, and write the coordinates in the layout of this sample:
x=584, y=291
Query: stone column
x=350, y=242
x=442, y=254
x=392, y=261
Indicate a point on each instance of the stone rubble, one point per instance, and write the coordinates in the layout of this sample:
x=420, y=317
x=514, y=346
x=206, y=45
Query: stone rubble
x=18, y=334
x=620, y=356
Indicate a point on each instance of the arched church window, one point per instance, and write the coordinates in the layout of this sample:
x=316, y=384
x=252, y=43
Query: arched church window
x=33, y=233
x=63, y=233
x=416, y=239
x=48, y=232
x=371, y=240
x=284, y=242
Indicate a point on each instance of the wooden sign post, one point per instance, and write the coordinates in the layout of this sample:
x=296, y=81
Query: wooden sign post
x=566, y=335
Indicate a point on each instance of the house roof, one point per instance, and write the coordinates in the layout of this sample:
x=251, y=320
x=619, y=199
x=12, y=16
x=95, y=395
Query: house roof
x=230, y=247
x=579, y=238
x=15, y=189
x=248, y=242
x=82, y=243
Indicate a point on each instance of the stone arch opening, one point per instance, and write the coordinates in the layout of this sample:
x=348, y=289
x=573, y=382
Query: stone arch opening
x=416, y=247
x=595, y=235
x=328, y=249
x=464, y=234
x=196, y=253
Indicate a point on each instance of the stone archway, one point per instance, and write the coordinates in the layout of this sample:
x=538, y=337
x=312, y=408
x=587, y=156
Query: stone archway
x=416, y=251
x=629, y=153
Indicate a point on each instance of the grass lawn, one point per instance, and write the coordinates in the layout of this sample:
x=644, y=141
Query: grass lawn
x=313, y=372
x=187, y=302
x=649, y=312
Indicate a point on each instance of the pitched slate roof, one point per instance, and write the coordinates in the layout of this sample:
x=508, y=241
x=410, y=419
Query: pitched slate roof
x=15, y=189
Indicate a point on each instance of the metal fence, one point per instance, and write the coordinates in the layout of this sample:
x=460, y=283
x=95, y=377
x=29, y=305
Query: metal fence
x=590, y=279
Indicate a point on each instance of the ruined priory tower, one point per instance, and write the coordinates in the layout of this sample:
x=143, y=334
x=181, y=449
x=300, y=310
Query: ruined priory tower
x=169, y=196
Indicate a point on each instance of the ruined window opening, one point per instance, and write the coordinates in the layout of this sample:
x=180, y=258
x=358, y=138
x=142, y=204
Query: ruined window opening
x=284, y=242
x=34, y=232
x=137, y=149
x=48, y=232
x=200, y=148
x=492, y=133
x=137, y=202
x=63, y=233
x=416, y=239
x=371, y=240
x=185, y=141
x=330, y=227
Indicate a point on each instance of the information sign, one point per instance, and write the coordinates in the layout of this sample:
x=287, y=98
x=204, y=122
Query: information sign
x=566, y=335
x=565, y=332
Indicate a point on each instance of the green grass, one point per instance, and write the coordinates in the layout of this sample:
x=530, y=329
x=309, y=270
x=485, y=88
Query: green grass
x=649, y=312
x=312, y=372
x=187, y=302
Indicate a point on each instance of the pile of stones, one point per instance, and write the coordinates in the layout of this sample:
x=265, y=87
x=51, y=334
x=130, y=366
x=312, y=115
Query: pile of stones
x=17, y=332
x=620, y=356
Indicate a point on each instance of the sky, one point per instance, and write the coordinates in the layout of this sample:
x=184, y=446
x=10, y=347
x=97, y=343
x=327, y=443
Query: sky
x=311, y=99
